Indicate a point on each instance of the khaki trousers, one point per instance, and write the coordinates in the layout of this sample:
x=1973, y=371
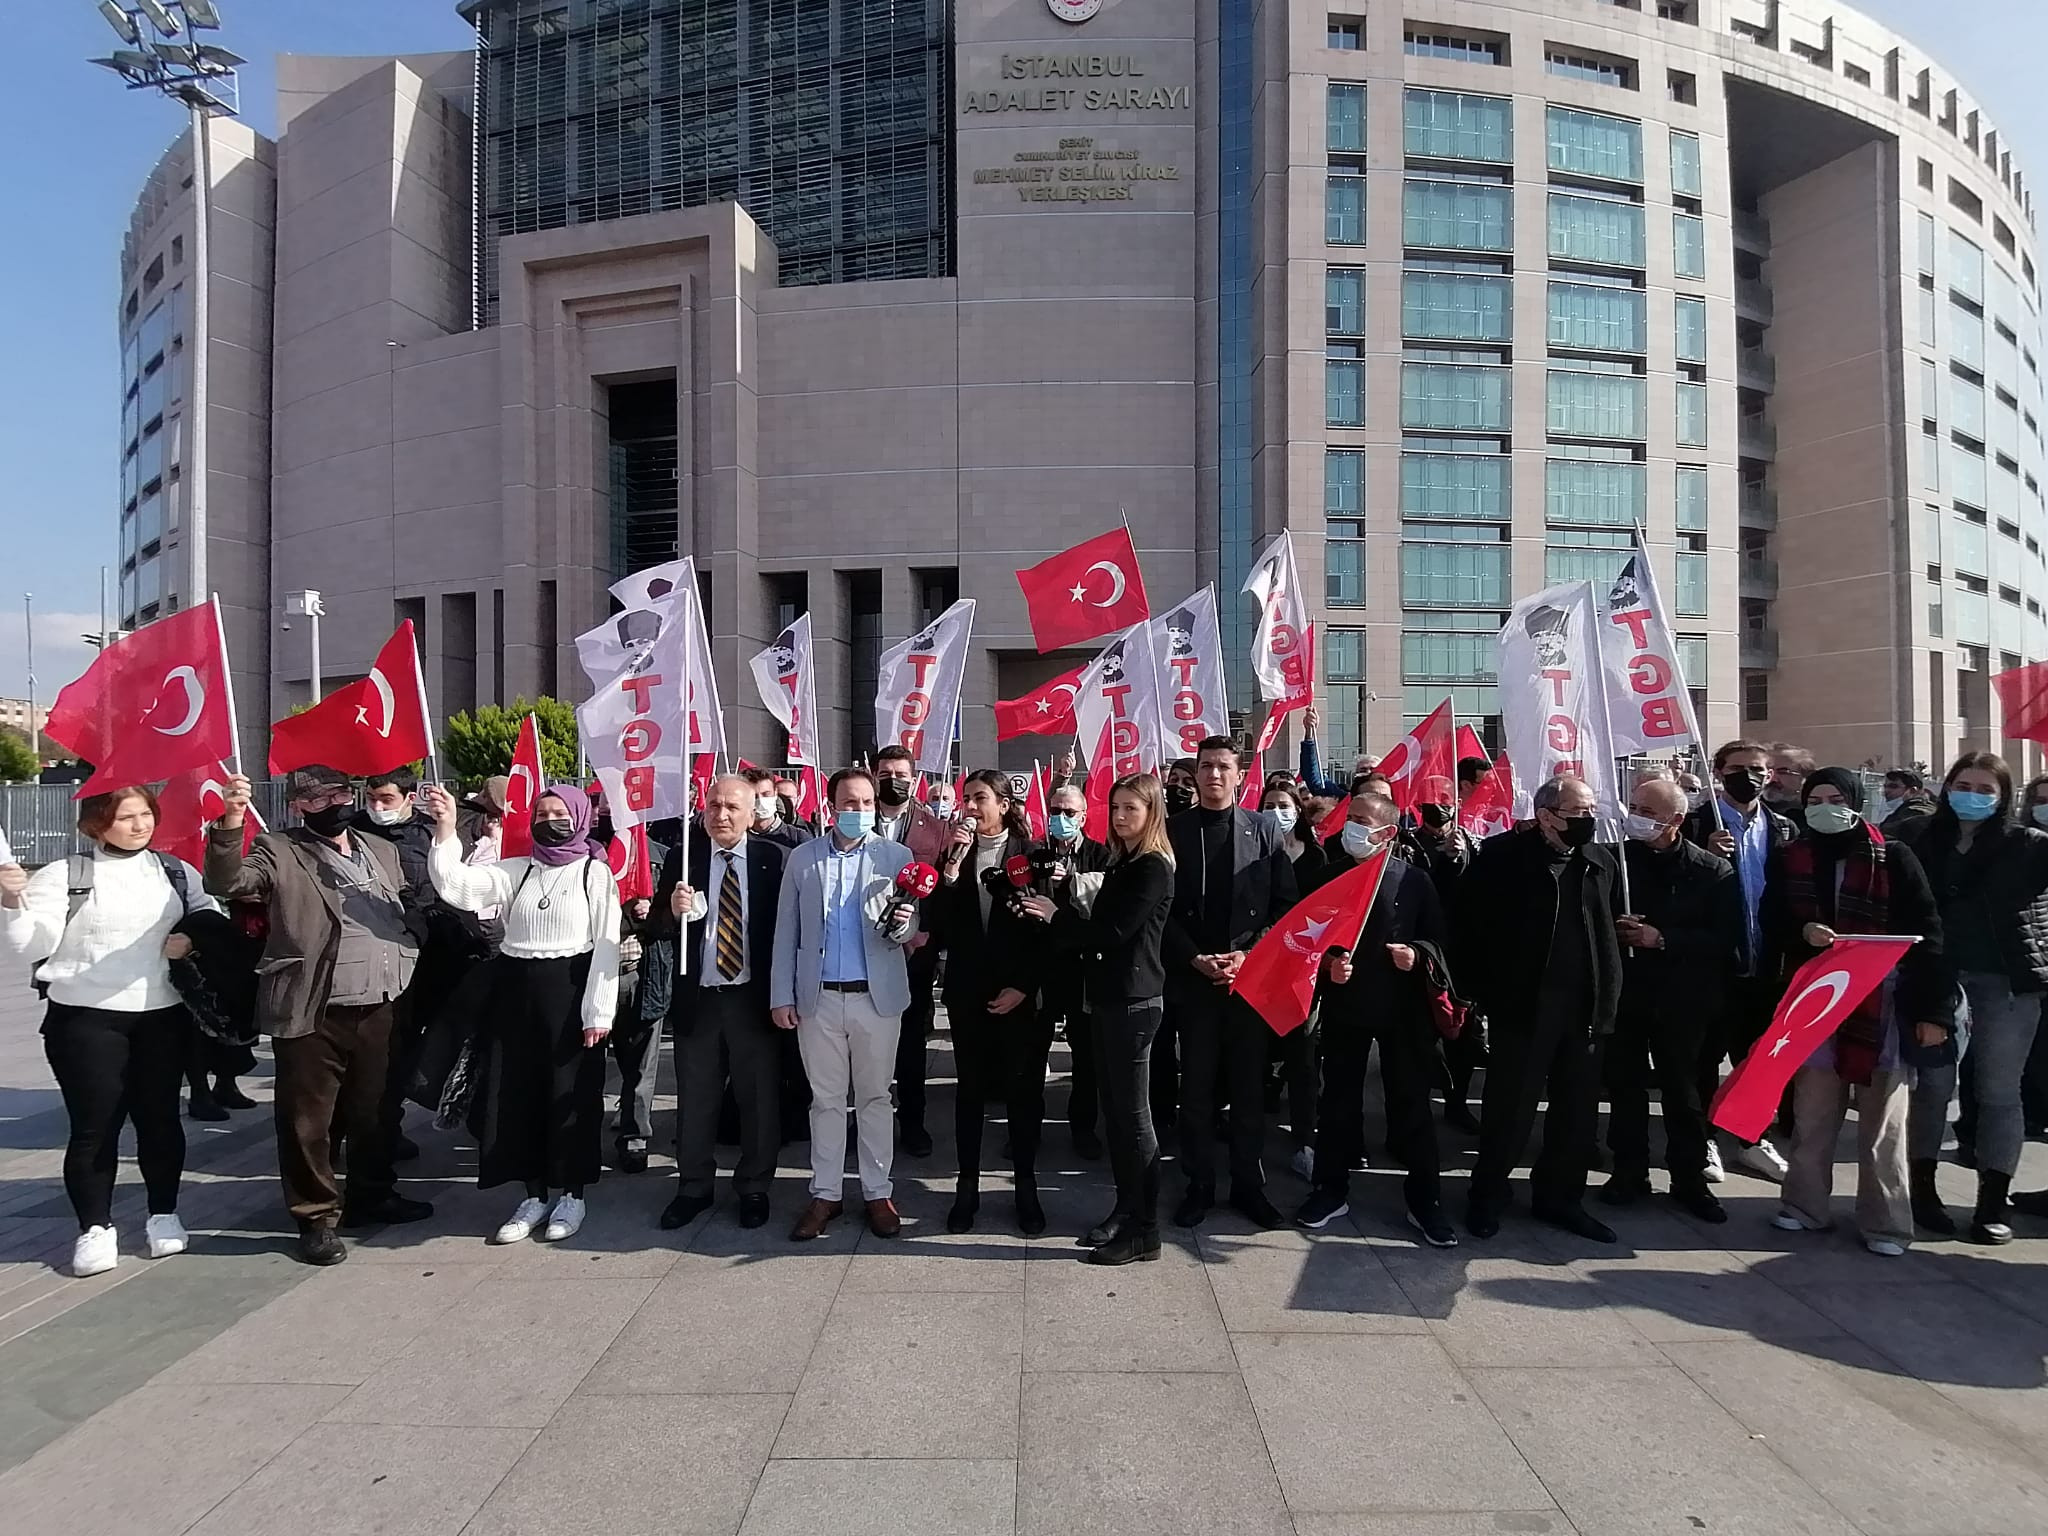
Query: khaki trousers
x=1820, y=1100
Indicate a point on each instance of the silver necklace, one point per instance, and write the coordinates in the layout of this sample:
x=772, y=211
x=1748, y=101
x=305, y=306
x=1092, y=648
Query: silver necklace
x=547, y=892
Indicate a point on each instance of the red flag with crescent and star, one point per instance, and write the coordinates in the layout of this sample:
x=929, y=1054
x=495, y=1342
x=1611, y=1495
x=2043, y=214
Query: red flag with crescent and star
x=367, y=727
x=187, y=803
x=2023, y=700
x=1822, y=993
x=1084, y=592
x=1490, y=808
x=1422, y=768
x=152, y=705
x=527, y=778
x=1278, y=978
x=1469, y=745
x=1048, y=710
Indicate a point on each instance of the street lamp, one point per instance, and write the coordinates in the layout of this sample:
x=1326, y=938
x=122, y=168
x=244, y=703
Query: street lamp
x=307, y=605
x=164, y=56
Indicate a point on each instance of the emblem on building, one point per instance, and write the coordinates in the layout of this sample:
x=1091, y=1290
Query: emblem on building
x=1075, y=11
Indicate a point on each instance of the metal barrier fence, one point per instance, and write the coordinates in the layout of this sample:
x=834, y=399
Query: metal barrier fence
x=41, y=820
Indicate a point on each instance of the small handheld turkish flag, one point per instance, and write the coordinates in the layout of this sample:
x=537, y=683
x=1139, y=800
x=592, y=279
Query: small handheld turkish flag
x=1278, y=978
x=2023, y=700
x=184, y=806
x=1048, y=710
x=366, y=727
x=152, y=705
x=522, y=788
x=1089, y=590
x=1422, y=770
x=1822, y=993
x=631, y=863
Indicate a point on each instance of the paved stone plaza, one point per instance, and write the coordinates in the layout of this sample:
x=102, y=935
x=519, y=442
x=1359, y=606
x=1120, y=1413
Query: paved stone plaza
x=1733, y=1380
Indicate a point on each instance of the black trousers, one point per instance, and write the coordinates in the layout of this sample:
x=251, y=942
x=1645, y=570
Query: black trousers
x=1223, y=1055
x=543, y=1118
x=635, y=1044
x=721, y=1034
x=335, y=1075
x=1299, y=1051
x=1461, y=1059
x=1122, y=1034
x=1659, y=1044
x=113, y=1068
x=922, y=965
x=1549, y=1050
x=998, y=1057
x=1407, y=1069
x=1063, y=1005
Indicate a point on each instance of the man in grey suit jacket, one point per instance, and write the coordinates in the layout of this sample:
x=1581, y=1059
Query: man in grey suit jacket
x=839, y=980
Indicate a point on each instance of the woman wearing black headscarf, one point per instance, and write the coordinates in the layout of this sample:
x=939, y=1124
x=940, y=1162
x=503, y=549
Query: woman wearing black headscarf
x=1843, y=876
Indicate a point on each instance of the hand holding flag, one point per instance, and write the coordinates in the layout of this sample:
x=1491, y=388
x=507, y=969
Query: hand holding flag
x=1278, y=978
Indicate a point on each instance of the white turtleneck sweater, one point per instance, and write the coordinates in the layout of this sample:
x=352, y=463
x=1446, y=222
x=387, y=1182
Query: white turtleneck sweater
x=112, y=954
x=581, y=915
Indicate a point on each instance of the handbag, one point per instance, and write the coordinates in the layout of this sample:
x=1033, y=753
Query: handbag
x=1449, y=1012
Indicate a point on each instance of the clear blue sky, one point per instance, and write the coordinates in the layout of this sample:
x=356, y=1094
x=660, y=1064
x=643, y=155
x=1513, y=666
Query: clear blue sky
x=80, y=148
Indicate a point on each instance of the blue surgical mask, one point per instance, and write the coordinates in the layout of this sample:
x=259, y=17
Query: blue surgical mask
x=1972, y=805
x=853, y=825
x=1062, y=825
x=2040, y=815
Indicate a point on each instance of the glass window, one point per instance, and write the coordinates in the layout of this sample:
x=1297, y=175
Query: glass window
x=1344, y=210
x=1966, y=406
x=1346, y=33
x=1692, y=415
x=1455, y=575
x=1593, y=318
x=1343, y=483
x=1690, y=324
x=1692, y=660
x=148, y=582
x=1457, y=215
x=1590, y=68
x=155, y=333
x=1344, y=573
x=1450, y=656
x=1690, y=599
x=1966, y=267
x=1965, y=475
x=1449, y=125
x=1596, y=230
x=1599, y=566
x=1972, y=617
x=1685, y=164
x=131, y=361
x=1344, y=391
x=1457, y=487
x=1926, y=243
x=1462, y=50
x=149, y=464
x=1347, y=118
x=1454, y=397
x=1344, y=301
x=150, y=401
x=1597, y=404
x=1688, y=245
x=1690, y=499
x=1927, y=308
x=149, y=520
x=131, y=420
x=130, y=484
x=1594, y=144
x=1965, y=340
x=1598, y=491
x=1344, y=655
x=1456, y=306
x=1969, y=547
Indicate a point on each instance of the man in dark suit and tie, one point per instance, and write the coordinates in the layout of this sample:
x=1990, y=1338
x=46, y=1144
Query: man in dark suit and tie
x=718, y=1015
x=1232, y=881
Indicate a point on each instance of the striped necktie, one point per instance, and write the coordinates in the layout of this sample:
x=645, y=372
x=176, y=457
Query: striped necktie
x=732, y=948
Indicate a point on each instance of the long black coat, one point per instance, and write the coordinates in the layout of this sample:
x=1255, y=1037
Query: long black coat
x=1262, y=888
x=1405, y=910
x=1009, y=951
x=1503, y=918
x=1693, y=899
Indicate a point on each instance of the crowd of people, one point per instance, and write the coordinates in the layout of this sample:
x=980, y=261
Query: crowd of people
x=393, y=948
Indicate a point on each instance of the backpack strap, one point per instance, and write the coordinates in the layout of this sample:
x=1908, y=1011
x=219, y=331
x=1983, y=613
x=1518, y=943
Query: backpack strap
x=77, y=884
x=174, y=871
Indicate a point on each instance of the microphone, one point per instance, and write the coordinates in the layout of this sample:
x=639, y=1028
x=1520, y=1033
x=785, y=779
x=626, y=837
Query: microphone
x=1017, y=870
x=916, y=880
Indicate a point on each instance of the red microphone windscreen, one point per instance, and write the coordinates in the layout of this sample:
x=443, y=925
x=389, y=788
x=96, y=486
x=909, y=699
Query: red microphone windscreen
x=1018, y=868
x=918, y=880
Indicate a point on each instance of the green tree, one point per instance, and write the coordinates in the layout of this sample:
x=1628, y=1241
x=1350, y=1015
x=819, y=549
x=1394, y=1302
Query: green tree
x=18, y=765
x=478, y=743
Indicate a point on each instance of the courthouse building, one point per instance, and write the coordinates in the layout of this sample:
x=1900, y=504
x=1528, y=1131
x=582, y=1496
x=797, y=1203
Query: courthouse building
x=867, y=303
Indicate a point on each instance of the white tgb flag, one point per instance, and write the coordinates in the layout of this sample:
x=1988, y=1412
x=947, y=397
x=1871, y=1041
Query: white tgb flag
x=1649, y=707
x=1189, y=644
x=789, y=688
x=1280, y=648
x=917, y=692
x=1116, y=707
x=654, y=599
x=1553, y=698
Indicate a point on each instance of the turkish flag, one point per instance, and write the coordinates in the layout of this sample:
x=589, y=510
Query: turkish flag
x=1822, y=993
x=1101, y=779
x=2023, y=699
x=1422, y=768
x=1086, y=591
x=527, y=779
x=187, y=803
x=1469, y=745
x=1334, y=819
x=1048, y=710
x=1037, y=804
x=367, y=727
x=810, y=797
x=1490, y=808
x=152, y=705
x=1270, y=731
x=631, y=867
x=702, y=767
x=1278, y=978
x=1254, y=787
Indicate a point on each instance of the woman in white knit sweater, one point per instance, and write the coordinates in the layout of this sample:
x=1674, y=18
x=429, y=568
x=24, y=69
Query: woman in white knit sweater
x=115, y=1033
x=554, y=983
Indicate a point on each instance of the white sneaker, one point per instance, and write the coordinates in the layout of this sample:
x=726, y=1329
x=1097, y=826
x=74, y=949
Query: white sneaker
x=1765, y=1159
x=95, y=1252
x=1304, y=1164
x=166, y=1236
x=1716, y=1173
x=567, y=1220
x=1885, y=1248
x=523, y=1221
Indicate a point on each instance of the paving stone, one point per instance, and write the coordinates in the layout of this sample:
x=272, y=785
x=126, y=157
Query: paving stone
x=884, y=1498
x=1137, y=1317
x=1507, y=1312
x=724, y=1325
x=1309, y=1282
x=1701, y=1294
x=1469, y=1524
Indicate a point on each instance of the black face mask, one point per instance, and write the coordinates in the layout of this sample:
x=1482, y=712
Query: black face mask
x=1743, y=784
x=893, y=791
x=1436, y=815
x=1179, y=797
x=552, y=834
x=1577, y=831
x=329, y=820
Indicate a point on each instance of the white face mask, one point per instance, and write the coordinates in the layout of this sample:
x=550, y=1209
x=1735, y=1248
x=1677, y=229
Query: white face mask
x=1642, y=828
x=1360, y=840
x=1282, y=816
x=389, y=816
x=1695, y=798
x=766, y=808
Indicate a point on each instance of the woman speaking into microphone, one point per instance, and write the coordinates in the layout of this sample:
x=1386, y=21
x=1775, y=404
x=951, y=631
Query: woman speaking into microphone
x=1000, y=1039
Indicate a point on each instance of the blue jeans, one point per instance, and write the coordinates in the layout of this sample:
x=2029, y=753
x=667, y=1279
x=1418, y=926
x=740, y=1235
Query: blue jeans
x=1997, y=1038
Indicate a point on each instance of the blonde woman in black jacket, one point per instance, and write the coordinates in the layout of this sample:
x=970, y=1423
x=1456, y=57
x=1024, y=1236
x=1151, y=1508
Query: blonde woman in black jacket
x=1125, y=982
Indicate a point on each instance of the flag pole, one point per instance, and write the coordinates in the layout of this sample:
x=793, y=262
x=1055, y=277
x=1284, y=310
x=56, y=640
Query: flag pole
x=419, y=675
x=227, y=683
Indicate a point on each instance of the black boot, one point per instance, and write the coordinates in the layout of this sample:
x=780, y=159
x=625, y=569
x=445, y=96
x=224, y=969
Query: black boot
x=1106, y=1228
x=1991, y=1224
x=1134, y=1243
x=1030, y=1214
x=1929, y=1214
x=966, y=1206
x=228, y=1093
